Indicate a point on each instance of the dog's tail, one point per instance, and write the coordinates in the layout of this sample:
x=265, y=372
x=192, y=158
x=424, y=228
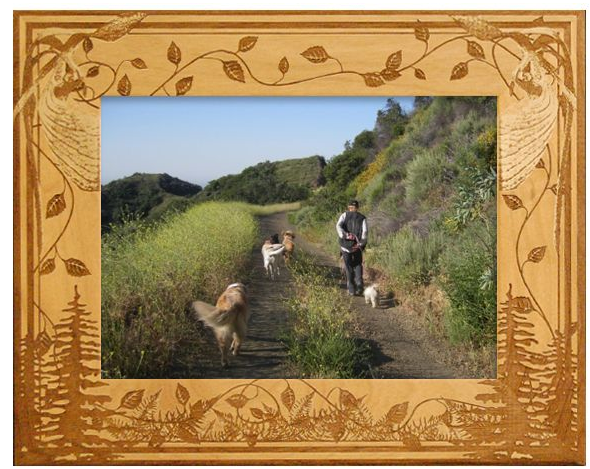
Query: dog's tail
x=211, y=315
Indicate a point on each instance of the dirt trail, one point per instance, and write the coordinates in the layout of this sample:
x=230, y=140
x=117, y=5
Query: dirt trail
x=262, y=355
x=398, y=349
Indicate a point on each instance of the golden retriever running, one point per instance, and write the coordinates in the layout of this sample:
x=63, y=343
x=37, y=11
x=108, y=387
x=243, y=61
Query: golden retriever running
x=288, y=237
x=228, y=319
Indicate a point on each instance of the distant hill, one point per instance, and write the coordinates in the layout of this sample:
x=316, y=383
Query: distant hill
x=146, y=195
x=306, y=171
x=269, y=182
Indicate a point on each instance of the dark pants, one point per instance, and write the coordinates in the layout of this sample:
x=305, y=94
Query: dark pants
x=353, y=265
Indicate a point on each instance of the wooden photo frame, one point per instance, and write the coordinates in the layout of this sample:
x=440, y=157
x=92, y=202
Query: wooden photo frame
x=533, y=412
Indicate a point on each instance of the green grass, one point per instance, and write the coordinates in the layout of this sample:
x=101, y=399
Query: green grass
x=468, y=278
x=409, y=258
x=320, y=342
x=261, y=210
x=425, y=175
x=306, y=171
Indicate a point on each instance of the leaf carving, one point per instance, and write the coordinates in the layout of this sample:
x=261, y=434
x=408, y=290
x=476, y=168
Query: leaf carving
x=247, y=43
x=347, y=399
x=173, y=53
x=419, y=74
x=394, y=60
x=124, y=86
x=537, y=254
x=513, y=202
x=87, y=45
x=288, y=397
x=284, y=65
x=237, y=401
x=138, y=63
x=47, y=267
x=422, y=33
x=257, y=413
x=92, y=71
x=373, y=80
x=198, y=410
x=120, y=26
x=459, y=71
x=76, y=267
x=183, y=85
x=43, y=343
x=397, y=413
x=390, y=74
x=521, y=304
x=474, y=49
x=55, y=206
x=182, y=394
x=316, y=54
x=132, y=399
x=234, y=70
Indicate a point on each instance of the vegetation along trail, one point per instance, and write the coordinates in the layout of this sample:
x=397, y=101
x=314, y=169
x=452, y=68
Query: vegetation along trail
x=263, y=355
x=398, y=347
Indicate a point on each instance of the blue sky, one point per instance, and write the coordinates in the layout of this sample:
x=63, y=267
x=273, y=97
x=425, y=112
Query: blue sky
x=198, y=139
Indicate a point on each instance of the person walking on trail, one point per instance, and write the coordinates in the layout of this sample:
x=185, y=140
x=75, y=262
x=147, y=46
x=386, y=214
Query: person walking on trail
x=352, y=236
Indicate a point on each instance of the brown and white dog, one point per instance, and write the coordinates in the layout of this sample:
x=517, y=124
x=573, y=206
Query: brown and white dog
x=288, y=237
x=228, y=319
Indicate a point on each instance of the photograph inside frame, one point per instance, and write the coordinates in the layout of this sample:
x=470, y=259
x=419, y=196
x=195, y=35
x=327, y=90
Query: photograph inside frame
x=298, y=237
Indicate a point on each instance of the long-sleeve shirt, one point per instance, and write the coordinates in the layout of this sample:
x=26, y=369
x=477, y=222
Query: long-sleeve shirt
x=342, y=233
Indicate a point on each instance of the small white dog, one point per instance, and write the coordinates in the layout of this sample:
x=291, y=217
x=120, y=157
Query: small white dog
x=372, y=295
x=270, y=254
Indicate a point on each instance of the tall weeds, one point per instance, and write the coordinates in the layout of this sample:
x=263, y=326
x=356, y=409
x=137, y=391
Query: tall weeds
x=320, y=341
x=149, y=276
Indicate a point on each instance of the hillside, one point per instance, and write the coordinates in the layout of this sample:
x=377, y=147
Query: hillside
x=148, y=196
x=305, y=171
x=426, y=182
x=269, y=182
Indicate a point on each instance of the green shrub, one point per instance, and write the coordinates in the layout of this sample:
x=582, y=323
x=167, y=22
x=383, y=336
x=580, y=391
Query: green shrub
x=259, y=184
x=425, y=173
x=468, y=277
x=320, y=342
x=303, y=216
x=408, y=257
